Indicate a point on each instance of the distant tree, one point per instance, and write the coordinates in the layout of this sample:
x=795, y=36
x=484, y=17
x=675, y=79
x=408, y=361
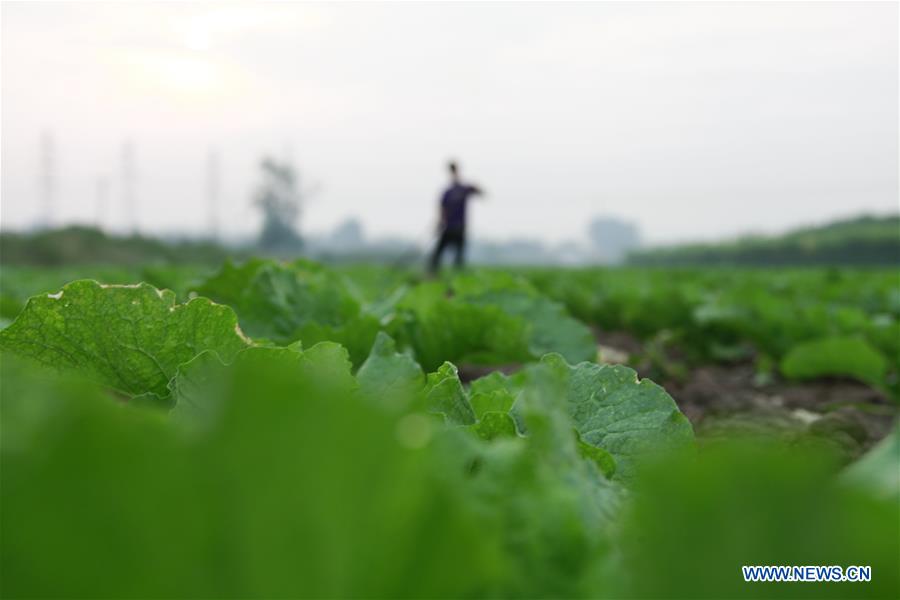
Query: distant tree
x=865, y=240
x=281, y=200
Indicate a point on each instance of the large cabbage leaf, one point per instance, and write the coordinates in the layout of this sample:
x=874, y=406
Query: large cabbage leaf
x=131, y=338
x=612, y=409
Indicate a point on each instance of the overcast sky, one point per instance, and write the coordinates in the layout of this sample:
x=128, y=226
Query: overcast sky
x=695, y=120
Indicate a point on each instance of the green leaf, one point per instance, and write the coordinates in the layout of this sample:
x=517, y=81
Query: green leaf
x=550, y=328
x=197, y=390
x=444, y=394
x=615, y=411
x=600, y=457
x=460, y=332
x=289, y=302
x=494, y=392
x=488, y=402
x=290, y=492
x=488, y=318
x=495, y=382
x=131, y=338
x=328, y=368
x=699, y=517
x=356, y=335
x=879, y=469
x=389, y=377
x=845, y=356
x=200, y=386
x=556, y=507
x=493, y=425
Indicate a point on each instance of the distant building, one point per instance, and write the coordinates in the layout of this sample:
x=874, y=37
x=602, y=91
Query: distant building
x=612, y=239
x=347, y=236
x=510, y=252
x=570, y=253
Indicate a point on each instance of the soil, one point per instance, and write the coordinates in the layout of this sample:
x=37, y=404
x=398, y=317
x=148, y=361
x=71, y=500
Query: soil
x=721, y=399
x=469, y=372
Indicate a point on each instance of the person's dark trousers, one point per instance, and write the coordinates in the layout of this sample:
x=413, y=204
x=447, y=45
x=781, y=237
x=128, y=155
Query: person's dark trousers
x=450, y=237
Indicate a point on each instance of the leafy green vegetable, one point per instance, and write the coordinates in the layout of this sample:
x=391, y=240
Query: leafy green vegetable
x=439, y=329
x=197, y=390
x=444, y=394
x=554, y=509
x=200, y=386
x=289, y=302
x=277, y=472
x=879, y=469
x=488, y=320
x=549, y=328
x=389, y=377
x=131, y=338
x=615, y=411
x=694, y=521
x=289, y=492
x=835, y=356
x=492, y=393
x=496, y=401
x=603, y=459
x=495, y=424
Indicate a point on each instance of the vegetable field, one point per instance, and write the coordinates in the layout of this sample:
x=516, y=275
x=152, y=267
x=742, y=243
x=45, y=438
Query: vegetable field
x=288, y=429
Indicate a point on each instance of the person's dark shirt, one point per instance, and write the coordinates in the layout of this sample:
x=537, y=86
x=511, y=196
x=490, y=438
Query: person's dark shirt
x=454, y=203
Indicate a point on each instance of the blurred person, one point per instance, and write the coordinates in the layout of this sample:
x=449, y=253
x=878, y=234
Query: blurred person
x=452, y=220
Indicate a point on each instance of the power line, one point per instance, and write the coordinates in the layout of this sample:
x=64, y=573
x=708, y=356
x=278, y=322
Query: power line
x=129, y=176
x=213, y=187
x=47, y=179
x=102, y=201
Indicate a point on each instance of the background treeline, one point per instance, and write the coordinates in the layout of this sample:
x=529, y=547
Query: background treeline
x=87, y=245
x=860, y=241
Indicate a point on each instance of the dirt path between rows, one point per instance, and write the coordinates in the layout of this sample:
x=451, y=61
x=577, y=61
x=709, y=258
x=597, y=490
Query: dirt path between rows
x=724, y=398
